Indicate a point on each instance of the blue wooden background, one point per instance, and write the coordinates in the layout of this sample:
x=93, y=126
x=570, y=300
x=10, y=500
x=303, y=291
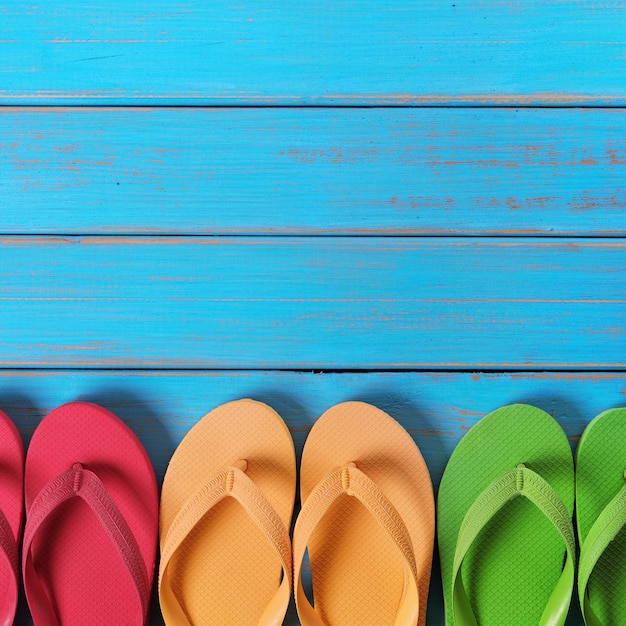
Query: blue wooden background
x=354, y=51
x=419, y=205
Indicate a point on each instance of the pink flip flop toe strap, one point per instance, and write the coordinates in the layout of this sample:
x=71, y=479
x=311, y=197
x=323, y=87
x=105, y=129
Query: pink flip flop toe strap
x=80, y=483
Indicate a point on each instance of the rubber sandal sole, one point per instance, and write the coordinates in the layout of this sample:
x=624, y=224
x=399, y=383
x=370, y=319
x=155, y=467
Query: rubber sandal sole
x=515, y=563
x=357, y=572
x=12, y=509
x=600, y=474
x=226, y=571
x=75, y=560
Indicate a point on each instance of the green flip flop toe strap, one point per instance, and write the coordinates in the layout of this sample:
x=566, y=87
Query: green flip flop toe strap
x=519, y=481
x=606, y=527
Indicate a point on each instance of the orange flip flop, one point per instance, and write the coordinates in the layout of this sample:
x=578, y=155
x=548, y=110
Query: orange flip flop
x=91, y=526
x=11, y=515
x=368, y=521
x=226, y=508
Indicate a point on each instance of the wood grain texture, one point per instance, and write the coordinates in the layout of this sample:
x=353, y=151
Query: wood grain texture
x=367, y=52
x=328, y=303
x=436, y=408
x=312, y=171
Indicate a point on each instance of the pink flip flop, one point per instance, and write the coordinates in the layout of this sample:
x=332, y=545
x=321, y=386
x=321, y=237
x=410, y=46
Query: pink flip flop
x=11, y=515
x=92, y=516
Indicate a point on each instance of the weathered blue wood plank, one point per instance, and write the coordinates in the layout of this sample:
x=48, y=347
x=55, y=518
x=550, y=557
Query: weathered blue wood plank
x=251, y=171
x=436, y=408
x=539, y=52
x=312, y=302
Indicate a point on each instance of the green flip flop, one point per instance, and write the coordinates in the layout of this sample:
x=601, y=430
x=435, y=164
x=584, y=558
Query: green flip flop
x=507, y=559
x=601, y=519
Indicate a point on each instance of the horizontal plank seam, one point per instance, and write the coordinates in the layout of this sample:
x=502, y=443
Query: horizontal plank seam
x=365, y=234
x=94, y=237
x=417, y=370
x=132, y=105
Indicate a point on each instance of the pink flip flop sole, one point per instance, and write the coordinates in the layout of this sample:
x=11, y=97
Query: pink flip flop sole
x=11, y=515
x=92, y=517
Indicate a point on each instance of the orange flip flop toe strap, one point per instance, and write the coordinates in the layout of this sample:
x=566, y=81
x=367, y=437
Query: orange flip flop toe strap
x=229, y=482
x=349, y=480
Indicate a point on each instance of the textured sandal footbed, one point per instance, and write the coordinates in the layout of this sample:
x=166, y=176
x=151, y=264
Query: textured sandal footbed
x=11, y=486
x=356, y=571
x=72, y=553
x=600, y=466
x=517, y=559
x=226, y=572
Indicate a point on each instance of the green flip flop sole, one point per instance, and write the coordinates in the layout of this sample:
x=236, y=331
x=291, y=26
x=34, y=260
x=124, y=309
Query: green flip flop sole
x=601, y=519
x=502, y=556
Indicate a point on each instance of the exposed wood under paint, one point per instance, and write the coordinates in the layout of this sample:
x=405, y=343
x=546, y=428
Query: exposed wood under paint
x=313, y=171
x=312, y=303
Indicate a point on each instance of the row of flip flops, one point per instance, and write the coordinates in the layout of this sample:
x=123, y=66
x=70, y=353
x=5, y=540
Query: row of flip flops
x=367, y=520
x=366, y=523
